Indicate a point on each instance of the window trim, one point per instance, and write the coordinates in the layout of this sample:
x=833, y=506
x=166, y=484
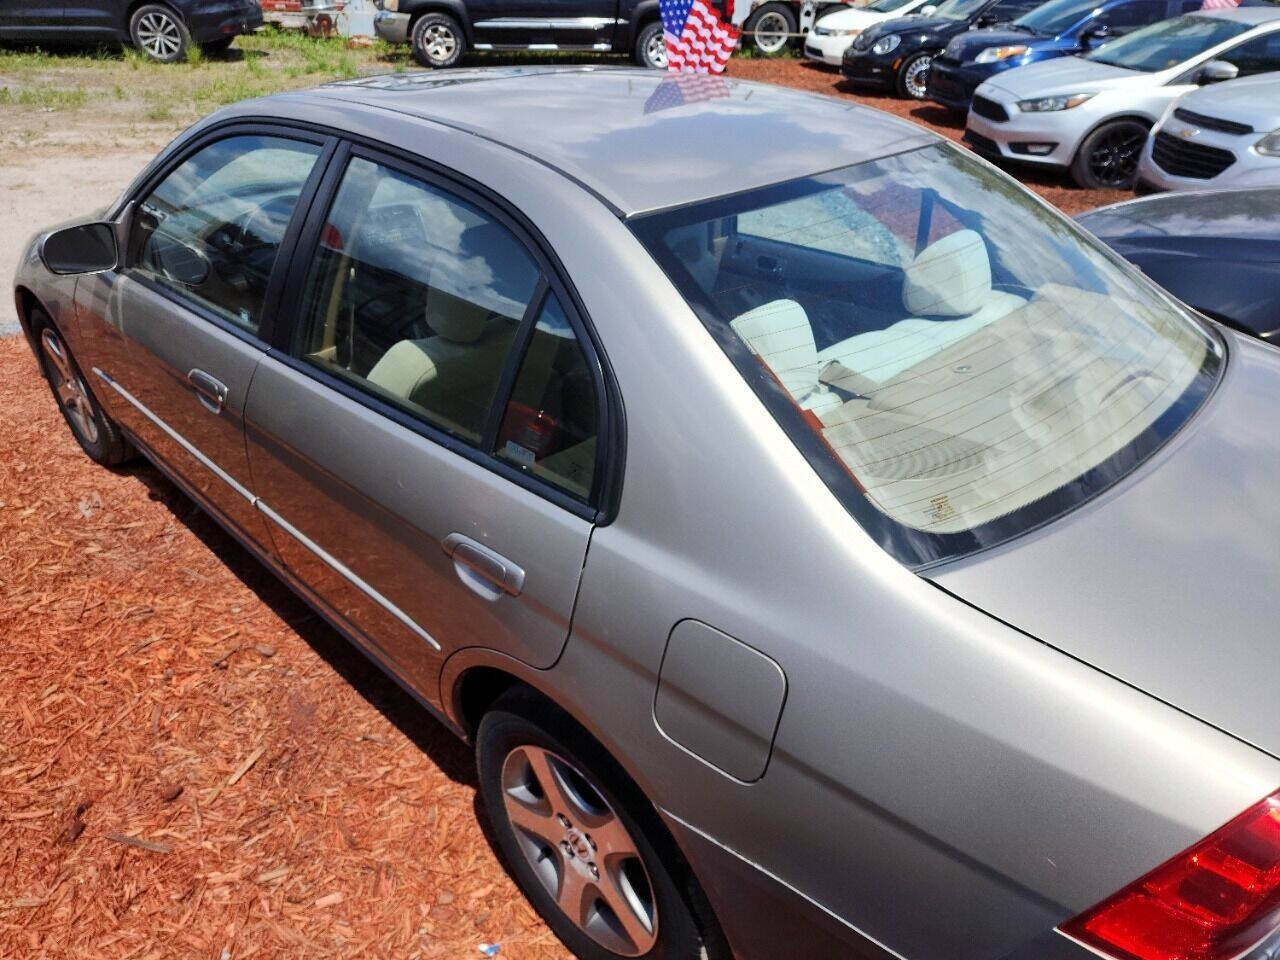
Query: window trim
x=601, y=506
x=284, y=256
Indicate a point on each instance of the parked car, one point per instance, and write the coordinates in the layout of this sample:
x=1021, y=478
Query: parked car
x=1058, y=28
x=163, y=31
x=902, y=646
x=1226, y=135
x=1092, y=114
x=1217, y=250
x=896, y=54
x=832, y=34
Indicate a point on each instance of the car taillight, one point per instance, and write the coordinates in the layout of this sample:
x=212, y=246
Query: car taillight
x=1213, y=901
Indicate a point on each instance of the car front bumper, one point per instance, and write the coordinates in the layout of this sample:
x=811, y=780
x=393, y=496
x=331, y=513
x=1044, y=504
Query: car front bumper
x=1044, y=139
x=868, y=68
x=1192, y=153
x=952, y=83
x=392, y=27
x=828, y=49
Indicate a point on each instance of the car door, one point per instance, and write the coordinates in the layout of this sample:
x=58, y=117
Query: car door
x=426, y=442
x=96, y=19
x=552, y=23
x=175, y=336
x=31, y=19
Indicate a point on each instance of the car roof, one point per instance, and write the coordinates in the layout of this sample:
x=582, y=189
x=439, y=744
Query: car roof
x=639, y=139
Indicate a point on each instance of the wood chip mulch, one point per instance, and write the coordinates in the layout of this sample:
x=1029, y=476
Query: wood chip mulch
x=193, y=765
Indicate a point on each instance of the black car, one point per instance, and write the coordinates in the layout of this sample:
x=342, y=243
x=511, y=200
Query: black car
x=897, y=54
x=1218, y=251
x=163, y=31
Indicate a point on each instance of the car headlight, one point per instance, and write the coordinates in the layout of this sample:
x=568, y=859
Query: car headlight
x=996, y=54
x=1051, y=104
x=391, y=5
x=886, y=44
x=1269, y=146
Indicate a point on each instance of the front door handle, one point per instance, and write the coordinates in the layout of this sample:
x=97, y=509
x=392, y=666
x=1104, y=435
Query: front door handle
x=484, y=571
x=211, y=392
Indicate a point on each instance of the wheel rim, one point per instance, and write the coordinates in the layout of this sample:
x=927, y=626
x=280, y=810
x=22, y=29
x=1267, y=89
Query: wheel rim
x=771, y=32
x=1113, y=161
x=439, y=42
x=73, y=396
x=159, y=35
x=916, y=77
x=580, y=851
x=655, y=51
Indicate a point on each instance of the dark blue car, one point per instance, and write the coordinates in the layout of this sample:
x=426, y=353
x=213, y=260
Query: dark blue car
x=1058, y=28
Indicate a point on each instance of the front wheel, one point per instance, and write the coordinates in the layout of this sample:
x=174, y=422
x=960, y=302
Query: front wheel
x=913, y=76
x=577, y=837
x=651, y=47
x=438, y=41
x=771, y=27
x=159, y=33
x=1108, y=158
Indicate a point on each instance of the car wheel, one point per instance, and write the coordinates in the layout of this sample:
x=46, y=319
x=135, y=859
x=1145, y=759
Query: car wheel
x=771, y=27
x=913, y=76
x=651, y=47
x=159, y=33
x=438, y=41
x=96, y=433
x=579, y=839
x=1108, y=158
x=217, y=47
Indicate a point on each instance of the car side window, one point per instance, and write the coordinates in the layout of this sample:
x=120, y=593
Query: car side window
x=550, y=425
x=1127, y=16
x=415, y=296
x=1259, y=55
x=1012, y=9
x=212, y=228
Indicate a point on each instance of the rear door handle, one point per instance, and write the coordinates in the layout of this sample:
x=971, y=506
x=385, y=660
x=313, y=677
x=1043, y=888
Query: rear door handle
x=486, y=572
x=211, y=392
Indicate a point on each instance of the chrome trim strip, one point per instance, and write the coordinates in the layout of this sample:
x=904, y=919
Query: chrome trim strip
x=799, y=893
x=280, y=521
x=556, y=23
x=179, y=439
x=341, y=568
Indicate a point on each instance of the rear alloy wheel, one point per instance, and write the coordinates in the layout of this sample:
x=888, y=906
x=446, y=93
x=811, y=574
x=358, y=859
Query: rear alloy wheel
x=1108, y=158
x=651, y=47
x=159, y=33
x=913, y=77
x=771, y=28
x=584, y=856
x=438, y=41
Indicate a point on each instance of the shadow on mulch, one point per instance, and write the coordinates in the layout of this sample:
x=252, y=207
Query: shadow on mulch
x=446, y=751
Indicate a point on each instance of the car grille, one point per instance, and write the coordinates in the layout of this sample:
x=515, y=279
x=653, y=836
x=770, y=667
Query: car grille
x=1212, y=123
x=980, y=144
x=989, y=109
x=1182, y=158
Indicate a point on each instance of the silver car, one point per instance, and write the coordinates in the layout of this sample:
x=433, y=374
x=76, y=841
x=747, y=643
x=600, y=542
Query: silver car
x=831, y=550
x=1091, y=114
x=1223, y=136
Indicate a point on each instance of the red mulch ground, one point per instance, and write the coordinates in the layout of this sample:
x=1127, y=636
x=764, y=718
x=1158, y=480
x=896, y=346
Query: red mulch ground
x=1058, y=189
x=191, y=764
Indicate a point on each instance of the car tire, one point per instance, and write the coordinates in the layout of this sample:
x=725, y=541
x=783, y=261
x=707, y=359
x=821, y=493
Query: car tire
x=651, y=47
x=912, y=81
x=158, y=32
x=214, y=48
x=1108, y=157
x=588, y=837
x=438, y=41
x=96, y=433
x=770, y=28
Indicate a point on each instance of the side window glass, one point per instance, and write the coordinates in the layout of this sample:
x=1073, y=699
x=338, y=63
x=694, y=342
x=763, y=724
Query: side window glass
x=415, y=296
x=211, y=230
x=550, y=425
x=1012, y=9
x=1260, y=55
x=1127, y=16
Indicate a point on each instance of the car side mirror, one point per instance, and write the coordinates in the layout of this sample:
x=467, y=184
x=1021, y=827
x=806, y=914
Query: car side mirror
x=928, y=10
x=1216, y=71
x=1097, y=35
x=86, y=248
x=986, y=20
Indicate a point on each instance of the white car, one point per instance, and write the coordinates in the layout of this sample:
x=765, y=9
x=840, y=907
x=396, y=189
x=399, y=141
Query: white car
x=1092, y=114
x=1224, y=136
x=831, y=35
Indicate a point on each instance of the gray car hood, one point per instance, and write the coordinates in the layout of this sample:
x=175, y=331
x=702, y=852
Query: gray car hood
x=1064, y=75
x=1171, y=580
x=1253, y=100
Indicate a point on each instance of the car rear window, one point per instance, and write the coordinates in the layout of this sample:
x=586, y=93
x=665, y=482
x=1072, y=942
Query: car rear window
x=959, y=362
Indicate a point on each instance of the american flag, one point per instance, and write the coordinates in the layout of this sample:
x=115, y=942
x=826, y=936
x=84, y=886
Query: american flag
x=698, y=41
x=685, y=88
x=1219, y=4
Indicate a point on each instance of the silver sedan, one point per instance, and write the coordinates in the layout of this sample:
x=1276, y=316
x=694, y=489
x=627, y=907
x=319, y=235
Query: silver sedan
x=831, y=550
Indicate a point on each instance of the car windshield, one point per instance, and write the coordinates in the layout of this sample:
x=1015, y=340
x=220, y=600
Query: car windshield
x=957, y=361
x=1167, y=43
x=887, y=6
x=959, y=9
x=1052, y=18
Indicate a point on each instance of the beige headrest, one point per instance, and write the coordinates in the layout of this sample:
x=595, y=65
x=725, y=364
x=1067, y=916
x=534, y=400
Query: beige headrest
x=949, y=278
x=404, y=369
